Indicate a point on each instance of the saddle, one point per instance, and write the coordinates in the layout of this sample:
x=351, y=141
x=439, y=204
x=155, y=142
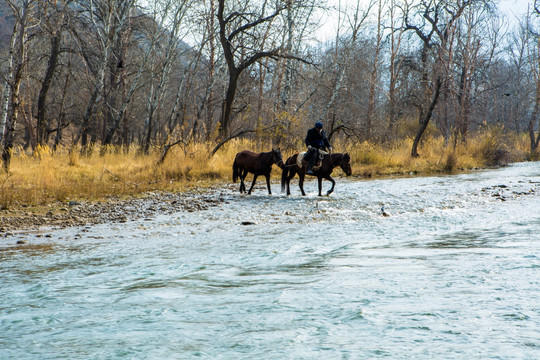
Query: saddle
x=318, y=162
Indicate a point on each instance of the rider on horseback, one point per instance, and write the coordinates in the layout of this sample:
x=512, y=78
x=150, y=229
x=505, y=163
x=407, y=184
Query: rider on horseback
x=315, y=140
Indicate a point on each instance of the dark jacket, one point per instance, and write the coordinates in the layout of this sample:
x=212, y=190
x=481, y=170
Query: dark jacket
x=317, y=139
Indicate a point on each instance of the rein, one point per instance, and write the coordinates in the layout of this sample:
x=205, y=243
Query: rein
x=332, y=161
x=273, y=159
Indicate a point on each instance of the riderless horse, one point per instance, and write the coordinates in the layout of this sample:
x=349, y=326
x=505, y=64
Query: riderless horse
x=256, y=163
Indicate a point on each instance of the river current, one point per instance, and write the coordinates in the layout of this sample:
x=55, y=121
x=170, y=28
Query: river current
x=452, y=273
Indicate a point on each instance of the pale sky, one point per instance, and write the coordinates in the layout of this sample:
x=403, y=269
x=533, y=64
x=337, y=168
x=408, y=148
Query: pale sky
x=515, y=7
x=328, y=30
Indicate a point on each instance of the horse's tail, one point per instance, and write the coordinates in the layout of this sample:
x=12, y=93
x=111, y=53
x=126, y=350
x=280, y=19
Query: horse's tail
x=284, y=175
x=235, y=171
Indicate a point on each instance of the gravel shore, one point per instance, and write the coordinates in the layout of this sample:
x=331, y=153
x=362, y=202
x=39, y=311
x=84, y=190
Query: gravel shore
x=113, y=210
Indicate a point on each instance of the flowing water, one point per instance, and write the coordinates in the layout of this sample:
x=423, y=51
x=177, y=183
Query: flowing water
x=452, y=273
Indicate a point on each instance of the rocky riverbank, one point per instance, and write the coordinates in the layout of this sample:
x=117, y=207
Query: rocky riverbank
x=115, y=210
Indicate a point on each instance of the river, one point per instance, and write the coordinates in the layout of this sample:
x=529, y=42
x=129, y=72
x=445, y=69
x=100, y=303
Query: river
x=452, y=273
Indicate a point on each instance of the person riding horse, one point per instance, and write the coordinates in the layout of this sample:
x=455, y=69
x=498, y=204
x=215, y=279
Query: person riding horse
x=315, y=140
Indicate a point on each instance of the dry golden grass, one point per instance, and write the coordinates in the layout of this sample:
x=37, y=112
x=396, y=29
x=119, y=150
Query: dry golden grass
x=64, y=175
x=46, y=176
x=487, y=148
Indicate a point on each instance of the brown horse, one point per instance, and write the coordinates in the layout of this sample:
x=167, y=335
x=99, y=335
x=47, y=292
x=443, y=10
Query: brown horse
x=256, y=163
x=329, y=162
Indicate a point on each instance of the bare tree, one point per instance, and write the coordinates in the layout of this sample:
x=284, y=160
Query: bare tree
x=396, y=37
x=474, y=54
x=53, y=25
x=298, y=24
x=514, y=80
x=343, y=72
x=375, y=69
x=173, y=13
x=434, y=22
x=534, y=59
x=23, y=12
x=106, y=18
x=243, y=34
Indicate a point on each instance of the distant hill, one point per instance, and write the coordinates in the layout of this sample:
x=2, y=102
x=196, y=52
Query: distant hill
x=7, y=20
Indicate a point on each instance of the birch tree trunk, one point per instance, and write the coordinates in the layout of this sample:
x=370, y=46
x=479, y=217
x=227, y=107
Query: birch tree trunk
x=17, y=62
x=108, y=18
x=171, y=52
x=395, y=47
x=374, y=74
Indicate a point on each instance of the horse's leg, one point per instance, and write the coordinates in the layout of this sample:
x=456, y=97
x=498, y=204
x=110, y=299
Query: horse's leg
x=288, y=187
x=319, y=183
x=268, y=183
x=253, y=183
x=329, y=178
x=301, y=175
x=243, y=174
x=290, y=175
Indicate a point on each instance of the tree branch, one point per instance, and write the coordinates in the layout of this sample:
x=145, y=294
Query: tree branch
x=253, y=24
x=223, y=142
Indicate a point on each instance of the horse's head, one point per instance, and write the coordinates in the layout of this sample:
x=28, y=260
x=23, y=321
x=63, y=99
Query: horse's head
x=277, y=158
x=345, y=164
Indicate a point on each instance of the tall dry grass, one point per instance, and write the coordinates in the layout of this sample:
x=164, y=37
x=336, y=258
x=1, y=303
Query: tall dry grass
x=46, y=176
x=486, y=148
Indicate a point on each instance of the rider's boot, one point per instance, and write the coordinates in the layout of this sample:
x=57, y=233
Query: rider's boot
x=311, y=162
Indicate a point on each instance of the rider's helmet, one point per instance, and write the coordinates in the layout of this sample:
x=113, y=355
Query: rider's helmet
x=318, y=125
